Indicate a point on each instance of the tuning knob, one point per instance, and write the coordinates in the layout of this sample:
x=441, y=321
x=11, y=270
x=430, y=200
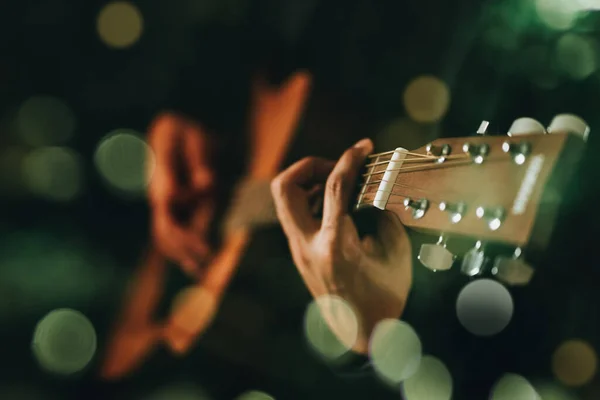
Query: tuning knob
x=513, y=270
x=482, y=130
x=518, y=151
x=569, y=123
x=526, y=126
x=436, y=257
x=454, y=210
x=418, y=207
x=473, y=261
x=493, y=216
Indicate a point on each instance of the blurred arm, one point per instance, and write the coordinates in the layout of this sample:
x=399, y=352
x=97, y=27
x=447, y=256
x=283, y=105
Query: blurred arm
x=163, y=137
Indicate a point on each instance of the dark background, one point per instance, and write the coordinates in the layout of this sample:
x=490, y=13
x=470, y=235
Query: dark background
x=499, y=62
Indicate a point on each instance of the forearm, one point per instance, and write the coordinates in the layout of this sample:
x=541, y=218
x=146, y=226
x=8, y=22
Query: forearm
x=162, y=138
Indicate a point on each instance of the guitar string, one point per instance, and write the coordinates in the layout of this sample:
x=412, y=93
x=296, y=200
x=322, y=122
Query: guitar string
x=468, y=160
x=408, y=152
x=425, y=191
x=416, y=160
x=412, y=169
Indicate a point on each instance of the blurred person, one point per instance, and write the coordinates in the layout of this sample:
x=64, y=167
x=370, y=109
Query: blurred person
x=183, y=197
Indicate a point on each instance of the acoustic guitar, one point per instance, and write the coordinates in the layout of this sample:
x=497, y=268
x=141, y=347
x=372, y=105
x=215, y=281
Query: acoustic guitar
x=499, y=195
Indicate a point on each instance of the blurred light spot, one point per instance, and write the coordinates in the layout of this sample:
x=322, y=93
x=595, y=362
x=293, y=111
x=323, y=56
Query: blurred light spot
x=557, y=14
x=120, y=24
x=499, y=37
x=319, y=333
x=54, y=173
x=513, y=387
x=426, y=99
x=125, y=161
x=404, y=132
x=484, y=307
x=64, y=341
x=576, y=55
x=45, y=120
x=589, y=5
x=254, y=395
x=11, y=178
x=538, y=63
x=432, y=381
x=551, y=391
x=180, y=391
x=42, y=269
x=395, y=350
x=574, y=363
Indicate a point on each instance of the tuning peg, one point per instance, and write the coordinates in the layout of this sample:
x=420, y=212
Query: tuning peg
x=419, y=207
x=493, y=216
x=513, y=270
x=455, y=210
x=526, y=126
x=482, y=130
x=436, y=257
x=473, y=260
x=518, y=151
x=569, y=123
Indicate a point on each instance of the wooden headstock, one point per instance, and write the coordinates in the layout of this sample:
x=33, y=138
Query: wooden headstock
x=492, y=189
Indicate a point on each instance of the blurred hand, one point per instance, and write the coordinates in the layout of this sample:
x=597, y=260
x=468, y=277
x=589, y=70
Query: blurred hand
x=181, y=191
x=373, y=274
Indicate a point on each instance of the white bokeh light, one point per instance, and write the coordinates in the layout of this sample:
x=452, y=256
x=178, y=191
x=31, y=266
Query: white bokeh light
x=54, y=173
x=513, y=387
x=432, y=381
x=120, y=24
x=125, y=161
x=319, y=334
x=426, y=99
x=395, y=350
x=64, y=341
x=254, y=395
x=45, y=120
x=484, y=307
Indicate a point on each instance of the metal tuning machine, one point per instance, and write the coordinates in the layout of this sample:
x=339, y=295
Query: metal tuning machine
x=441, y=152
x=493, y=216
x=477, y=152
x=526, y=126
x=513, y=270
x=455, y=211
x=435, y=256
x=569, y=123
x=518, y=151
x=482, y=130
x=473, y=260
x=419, y=207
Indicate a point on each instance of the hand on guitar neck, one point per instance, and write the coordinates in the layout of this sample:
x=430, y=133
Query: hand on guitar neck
x=373, y=275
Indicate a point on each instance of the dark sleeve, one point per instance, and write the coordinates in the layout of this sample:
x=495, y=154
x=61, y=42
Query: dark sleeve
x=352, y=365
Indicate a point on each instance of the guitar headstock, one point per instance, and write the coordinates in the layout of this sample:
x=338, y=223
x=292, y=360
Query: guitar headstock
x=497, y=192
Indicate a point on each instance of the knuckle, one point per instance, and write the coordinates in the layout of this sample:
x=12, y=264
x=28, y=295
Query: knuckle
x=336, y=185
x=310, y=160
x=278, y=186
